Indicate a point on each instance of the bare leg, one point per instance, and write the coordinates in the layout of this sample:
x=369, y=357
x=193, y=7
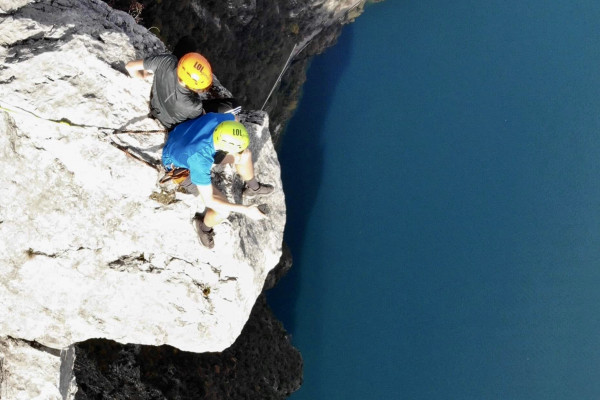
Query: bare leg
x=243, y=164
x=245, y=168
x=212, y=217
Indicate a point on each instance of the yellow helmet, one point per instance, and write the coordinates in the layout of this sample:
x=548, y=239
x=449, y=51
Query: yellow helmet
x=231, y=136
x=194, y=71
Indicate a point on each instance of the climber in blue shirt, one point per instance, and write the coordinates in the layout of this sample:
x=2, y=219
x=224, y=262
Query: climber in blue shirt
x=197, y=145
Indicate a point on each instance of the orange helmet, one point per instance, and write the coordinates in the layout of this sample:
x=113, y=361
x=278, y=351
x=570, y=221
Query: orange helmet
x=194, y=71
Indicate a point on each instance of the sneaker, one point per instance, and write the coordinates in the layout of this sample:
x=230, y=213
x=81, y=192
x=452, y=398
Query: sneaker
x=206, y=238
x=263, y=189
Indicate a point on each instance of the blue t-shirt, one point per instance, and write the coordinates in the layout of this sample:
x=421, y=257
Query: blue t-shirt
x=190, y=145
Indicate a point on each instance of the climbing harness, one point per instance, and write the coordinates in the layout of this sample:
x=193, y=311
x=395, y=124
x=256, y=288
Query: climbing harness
x=125, y=150
x=177, y=175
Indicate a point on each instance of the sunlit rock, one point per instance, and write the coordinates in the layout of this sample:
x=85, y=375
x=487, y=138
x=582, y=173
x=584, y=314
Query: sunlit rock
x=89, y=246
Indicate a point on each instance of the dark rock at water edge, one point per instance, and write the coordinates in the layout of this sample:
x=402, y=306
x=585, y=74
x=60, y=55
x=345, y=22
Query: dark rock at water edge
x=282, y=268
x=261, y=364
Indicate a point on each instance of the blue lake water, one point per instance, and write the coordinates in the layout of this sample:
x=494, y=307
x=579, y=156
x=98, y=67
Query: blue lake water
x=442, y=177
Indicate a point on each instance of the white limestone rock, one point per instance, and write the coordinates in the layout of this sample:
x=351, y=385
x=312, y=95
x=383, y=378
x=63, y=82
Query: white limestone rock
x=85, y=250
x=7, y=6
x=26, y=372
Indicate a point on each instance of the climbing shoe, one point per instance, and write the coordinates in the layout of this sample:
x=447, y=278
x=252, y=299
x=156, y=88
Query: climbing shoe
x=205, y=237
x=263, y=190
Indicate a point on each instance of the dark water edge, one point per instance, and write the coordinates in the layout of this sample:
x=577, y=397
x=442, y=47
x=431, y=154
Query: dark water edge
x=486, y=286
x=302, y=156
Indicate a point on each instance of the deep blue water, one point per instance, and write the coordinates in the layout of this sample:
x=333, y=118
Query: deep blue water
x=442, y=177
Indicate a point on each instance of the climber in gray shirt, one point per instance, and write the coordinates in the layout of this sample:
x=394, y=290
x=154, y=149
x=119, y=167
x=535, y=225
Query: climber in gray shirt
x=177, y=87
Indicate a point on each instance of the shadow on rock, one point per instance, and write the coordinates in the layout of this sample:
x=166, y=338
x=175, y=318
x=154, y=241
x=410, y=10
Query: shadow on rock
x=261, y=364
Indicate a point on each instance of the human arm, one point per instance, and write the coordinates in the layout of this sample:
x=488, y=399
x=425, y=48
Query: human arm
x=215, y=200
x=136, y=69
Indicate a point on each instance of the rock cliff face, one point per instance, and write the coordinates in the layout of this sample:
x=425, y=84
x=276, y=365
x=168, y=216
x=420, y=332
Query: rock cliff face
x=89, y=245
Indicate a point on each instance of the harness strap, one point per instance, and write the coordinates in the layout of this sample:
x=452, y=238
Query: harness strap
x=177, y=175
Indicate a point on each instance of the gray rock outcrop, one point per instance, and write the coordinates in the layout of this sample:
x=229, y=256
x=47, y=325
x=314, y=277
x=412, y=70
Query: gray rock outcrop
x=89, y=245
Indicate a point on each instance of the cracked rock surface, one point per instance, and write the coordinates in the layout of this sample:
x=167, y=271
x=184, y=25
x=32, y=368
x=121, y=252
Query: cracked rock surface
x=87, y=250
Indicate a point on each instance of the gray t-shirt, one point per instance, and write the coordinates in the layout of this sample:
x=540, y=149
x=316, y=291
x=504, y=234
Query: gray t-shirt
x=170, y=103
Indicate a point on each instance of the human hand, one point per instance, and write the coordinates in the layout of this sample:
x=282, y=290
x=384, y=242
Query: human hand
x=253, y=212
x=136, y=69
x=141, y=74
